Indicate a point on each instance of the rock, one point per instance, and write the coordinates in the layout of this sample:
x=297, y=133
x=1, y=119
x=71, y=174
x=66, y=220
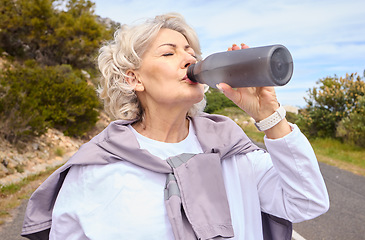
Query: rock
x=5, y=162
x=3, y=171
x=35, y=146
x=12, y=163
x=86, y=74
x=38, y=155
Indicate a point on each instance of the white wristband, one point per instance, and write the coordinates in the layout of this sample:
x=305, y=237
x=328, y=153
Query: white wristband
x=271, y=120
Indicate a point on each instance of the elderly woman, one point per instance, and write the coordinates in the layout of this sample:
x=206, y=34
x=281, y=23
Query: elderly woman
x=166, y=170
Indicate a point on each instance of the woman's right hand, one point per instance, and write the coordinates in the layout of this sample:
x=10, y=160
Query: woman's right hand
x=258, y=102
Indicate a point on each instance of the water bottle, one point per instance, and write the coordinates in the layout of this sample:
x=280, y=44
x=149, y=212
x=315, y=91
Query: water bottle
x=251, y=67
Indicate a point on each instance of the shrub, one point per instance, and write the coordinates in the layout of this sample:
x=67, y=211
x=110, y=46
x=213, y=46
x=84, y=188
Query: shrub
x=352, y=128
x=34, y=98
x=53, y=32
x=217, y=101
x=291, y=117
x=331, y=101
x=317, y=122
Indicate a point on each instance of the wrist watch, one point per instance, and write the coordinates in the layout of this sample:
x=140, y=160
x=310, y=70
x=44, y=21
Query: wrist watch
x=271, y=120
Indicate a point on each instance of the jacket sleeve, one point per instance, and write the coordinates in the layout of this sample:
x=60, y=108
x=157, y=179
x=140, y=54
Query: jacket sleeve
x=289, y=181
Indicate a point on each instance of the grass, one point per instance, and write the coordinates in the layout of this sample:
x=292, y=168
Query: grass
x=343, y=152
x=12, y=195
x=252, y=132
x=339, y=154
x=59, y=151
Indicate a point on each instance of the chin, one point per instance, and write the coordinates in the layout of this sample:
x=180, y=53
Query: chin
x=197, y=93
x=197, y=99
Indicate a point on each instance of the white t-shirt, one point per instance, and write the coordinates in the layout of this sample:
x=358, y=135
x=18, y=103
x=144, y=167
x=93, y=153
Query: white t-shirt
x=124, y=201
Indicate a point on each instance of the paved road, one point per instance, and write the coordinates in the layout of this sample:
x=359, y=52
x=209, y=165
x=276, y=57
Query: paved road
x=344, y=221
x=11, y=230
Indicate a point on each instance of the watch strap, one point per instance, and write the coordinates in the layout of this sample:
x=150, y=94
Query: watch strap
x=271, y=120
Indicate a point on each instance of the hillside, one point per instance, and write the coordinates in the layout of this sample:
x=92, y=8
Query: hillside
x=51, y=149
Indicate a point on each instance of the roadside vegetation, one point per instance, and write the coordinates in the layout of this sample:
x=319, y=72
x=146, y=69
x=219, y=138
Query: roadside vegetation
x=12, y=195
x=336, y=109
x=48, y=50
x=48, y=79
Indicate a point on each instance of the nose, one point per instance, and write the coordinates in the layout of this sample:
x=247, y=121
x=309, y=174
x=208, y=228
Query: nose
x=189, y=60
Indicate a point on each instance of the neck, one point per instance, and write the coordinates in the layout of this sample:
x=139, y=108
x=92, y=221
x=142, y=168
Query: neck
x=164, y=126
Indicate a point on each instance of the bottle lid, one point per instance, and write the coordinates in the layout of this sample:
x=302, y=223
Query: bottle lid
x=281, y=64
x=190, y=73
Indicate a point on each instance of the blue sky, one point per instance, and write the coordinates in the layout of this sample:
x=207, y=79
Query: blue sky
x=325, y=37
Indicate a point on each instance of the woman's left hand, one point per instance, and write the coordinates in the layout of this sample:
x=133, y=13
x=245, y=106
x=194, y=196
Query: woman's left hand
x=258, y=102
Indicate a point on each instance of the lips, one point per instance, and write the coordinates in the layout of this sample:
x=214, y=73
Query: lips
x=186, y=79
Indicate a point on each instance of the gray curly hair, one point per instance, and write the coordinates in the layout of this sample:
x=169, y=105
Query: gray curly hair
x=125, y=52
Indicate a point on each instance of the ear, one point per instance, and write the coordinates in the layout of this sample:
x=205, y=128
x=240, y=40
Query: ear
x=133, y=80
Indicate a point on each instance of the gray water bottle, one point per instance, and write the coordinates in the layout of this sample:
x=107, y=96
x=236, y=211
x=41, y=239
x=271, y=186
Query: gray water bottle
x=251, y=67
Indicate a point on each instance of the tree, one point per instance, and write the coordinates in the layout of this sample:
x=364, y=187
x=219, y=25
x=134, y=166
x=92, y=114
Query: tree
x=25, y=25
x=81, y=34
x=333, y=100
x=37, y=29
x=52, y=39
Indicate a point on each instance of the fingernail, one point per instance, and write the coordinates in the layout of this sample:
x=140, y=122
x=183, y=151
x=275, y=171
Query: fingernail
x=219, y=88
x=229, y=49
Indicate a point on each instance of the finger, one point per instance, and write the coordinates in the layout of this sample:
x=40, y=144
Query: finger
x=235, y=47
x=244, y=46
x=229, y=92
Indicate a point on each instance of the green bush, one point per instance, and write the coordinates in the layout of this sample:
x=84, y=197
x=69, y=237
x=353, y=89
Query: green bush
x=291, y=117
x=34, y=98
x=352, y=128
x=317, y=122
x=334, y=99
x=217, y=101
x=53, y=32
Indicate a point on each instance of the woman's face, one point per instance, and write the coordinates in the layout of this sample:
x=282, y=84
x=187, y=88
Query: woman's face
x=162, y=75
